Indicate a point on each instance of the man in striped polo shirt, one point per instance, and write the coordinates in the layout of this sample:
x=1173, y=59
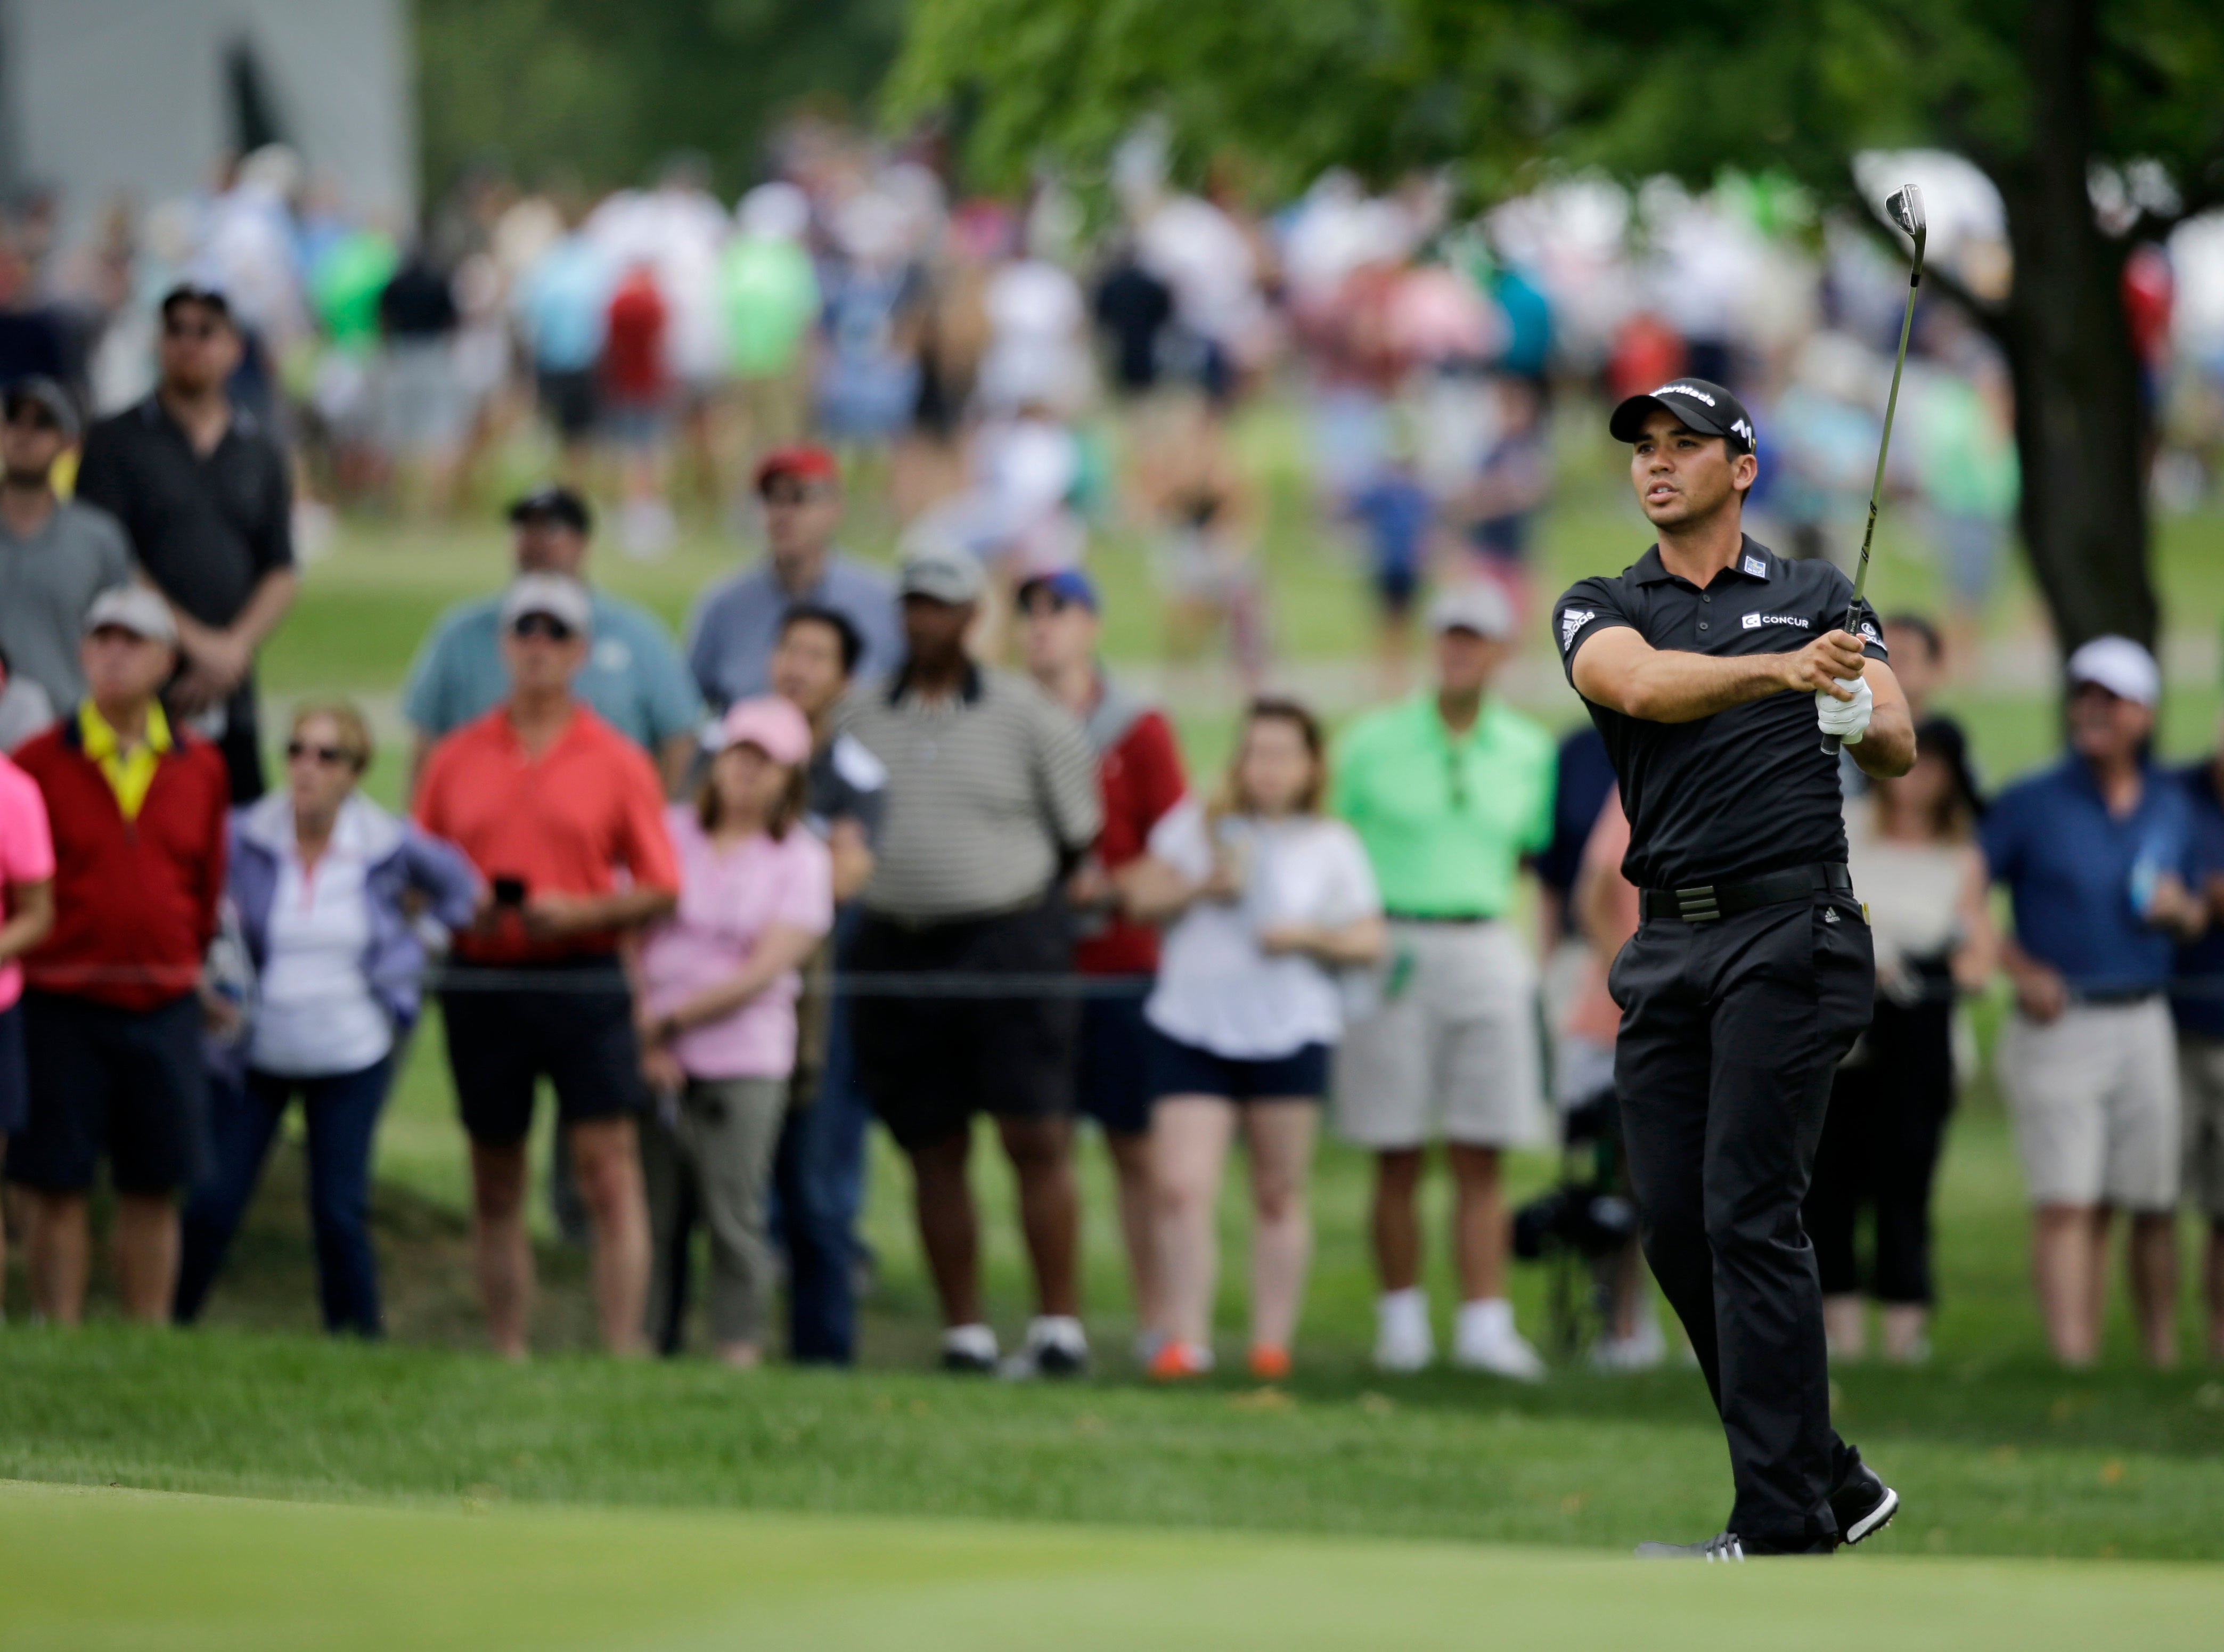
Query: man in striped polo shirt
x=991, y=802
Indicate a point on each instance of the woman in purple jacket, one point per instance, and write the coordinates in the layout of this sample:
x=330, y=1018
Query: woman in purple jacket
x=327, y=890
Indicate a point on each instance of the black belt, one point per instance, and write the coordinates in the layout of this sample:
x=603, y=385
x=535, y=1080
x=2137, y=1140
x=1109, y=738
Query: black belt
x=1709, y=902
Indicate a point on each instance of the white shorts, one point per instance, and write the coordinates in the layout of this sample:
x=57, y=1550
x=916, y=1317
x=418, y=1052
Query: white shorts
x=2095, y=1098
x=2201, y=1095
x=1452, y=1051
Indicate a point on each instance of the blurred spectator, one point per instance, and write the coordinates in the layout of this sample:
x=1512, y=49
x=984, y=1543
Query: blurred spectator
x=203, y=491
x=819, y=1174
x=1967, y=474
x=768, y=296
x=112, y=1018
x=27, y=917
x=631, y=678
x=1608, y=911
x=689, y=229
x=24, y=708
x=2197, y=1004
x=425, y=417
x=55, y=555
x=2096, y=852
x=328, y=888
x=563, y=304
x=563, y=818
x=1264, y=898
x=991, y=800
x=1202, y=513
x=1037, y=348
x=1513, y=484
x=1133, y=307
x=731, y=636
x=1397, y=513
x=868, y=366
x=1448, y=792
x=1139, y=779
x=637, y=404
x=1914, y=860
x=717, y=1021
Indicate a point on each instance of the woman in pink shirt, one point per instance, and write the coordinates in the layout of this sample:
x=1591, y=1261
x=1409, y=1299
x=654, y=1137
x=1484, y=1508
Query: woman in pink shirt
x=718, y=985
x=27, y=913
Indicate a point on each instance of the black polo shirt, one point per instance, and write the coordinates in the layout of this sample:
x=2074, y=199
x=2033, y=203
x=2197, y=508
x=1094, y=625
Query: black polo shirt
x=206, y=530
x=1746, y=791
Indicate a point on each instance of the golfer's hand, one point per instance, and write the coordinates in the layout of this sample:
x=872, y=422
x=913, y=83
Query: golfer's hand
x=1844, y=708
x=552, y=915
x=1824, y=663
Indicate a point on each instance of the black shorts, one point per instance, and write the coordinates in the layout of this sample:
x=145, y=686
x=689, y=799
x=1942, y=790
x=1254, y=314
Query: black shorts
x=577, y=1032
x=1114, y=1074
x=15, y=1076
x=1396, y=585
x=572, y=401
x=929, y=1064
x=1180, y=1069
x=128, y=1083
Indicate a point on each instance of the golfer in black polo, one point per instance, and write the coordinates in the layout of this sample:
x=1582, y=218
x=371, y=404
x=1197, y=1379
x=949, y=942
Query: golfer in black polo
x=1712, y=668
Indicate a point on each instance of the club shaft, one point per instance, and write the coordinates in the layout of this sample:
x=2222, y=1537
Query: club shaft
x=1884, y=446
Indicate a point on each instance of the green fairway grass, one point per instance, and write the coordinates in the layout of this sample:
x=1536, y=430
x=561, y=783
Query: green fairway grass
x=1109, y=1514
x=117, y=1573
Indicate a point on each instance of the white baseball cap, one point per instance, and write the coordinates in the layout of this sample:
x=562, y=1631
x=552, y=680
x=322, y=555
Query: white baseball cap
x=2119, y=665
x=1477, y=605
x=560, y=598
x=132, y=608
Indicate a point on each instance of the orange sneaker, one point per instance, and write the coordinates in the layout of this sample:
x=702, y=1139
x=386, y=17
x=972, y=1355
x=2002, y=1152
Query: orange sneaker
x=1270, y=1363
x=1178, y=1361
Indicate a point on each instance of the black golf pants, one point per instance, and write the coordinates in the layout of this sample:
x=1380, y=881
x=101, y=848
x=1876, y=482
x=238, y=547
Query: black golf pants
x=1730, y=1033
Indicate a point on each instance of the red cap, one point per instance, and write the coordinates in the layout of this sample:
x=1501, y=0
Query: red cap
x=811, y=463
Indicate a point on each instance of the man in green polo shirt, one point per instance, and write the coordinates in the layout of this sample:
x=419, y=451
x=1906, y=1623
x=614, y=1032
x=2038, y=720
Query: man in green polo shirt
x=1447, y=790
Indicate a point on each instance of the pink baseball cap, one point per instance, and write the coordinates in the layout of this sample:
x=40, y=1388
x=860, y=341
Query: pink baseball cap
x=768, y=723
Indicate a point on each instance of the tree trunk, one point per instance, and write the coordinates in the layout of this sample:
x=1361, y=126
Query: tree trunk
x=2080, y=417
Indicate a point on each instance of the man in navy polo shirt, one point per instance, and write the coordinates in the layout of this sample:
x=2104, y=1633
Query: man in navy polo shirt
x=2197, y=1006
x=2096, y=853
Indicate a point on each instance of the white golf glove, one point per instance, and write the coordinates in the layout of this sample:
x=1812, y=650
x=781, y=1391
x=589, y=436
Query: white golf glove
x=1847, y=719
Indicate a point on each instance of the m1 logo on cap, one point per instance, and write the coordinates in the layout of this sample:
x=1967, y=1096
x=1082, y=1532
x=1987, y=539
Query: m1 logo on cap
x=1571, y=621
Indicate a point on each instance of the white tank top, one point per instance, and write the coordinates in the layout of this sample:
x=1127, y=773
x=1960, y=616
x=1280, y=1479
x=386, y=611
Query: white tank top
x=1913, y=891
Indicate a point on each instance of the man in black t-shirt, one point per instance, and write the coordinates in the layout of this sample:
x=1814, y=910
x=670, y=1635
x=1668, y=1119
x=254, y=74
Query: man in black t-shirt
x=1713, y=667
x=206, y=495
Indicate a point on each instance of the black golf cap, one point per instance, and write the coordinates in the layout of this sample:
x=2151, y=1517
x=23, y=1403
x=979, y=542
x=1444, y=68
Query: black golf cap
x=201, y=296
x=1701, y=404
x=557, y=504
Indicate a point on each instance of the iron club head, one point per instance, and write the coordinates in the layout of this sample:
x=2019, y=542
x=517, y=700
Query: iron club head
x=1904, y=207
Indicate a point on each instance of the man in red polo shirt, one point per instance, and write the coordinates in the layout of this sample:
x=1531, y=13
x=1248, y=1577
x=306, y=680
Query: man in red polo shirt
x=1138, y=773
x=111, y=1014
x=564, y=817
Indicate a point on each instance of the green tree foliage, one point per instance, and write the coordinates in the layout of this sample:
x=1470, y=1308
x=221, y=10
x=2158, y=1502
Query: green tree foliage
x=2043, y=95
x=599, y=89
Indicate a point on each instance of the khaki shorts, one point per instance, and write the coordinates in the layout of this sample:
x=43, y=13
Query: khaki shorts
x=2094, y=1096
x=1452, y=1049
x=2201, y=1087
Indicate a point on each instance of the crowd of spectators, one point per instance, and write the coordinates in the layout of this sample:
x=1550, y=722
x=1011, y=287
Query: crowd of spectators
x=823, y=860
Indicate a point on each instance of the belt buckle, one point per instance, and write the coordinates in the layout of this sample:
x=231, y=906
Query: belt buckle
x=1698, y=905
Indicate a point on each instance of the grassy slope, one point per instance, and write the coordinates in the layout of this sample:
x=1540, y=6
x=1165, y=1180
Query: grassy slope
x=242, y=1576
x=2000, y=1454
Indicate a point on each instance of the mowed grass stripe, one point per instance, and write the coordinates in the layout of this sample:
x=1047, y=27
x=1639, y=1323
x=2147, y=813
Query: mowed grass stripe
x=105, y=1572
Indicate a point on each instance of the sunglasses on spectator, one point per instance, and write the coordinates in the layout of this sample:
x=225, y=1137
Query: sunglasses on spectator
x=545, y=625
x=34, y=416
x=330, y=757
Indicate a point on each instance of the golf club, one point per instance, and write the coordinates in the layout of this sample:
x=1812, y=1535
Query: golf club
x=1904, y=208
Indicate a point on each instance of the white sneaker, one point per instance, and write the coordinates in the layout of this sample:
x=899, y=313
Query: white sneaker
x=1644, y=1349
x=968, y=1348
x=1403, y=1341
x=1485, y=1340
x=1056, y=1347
